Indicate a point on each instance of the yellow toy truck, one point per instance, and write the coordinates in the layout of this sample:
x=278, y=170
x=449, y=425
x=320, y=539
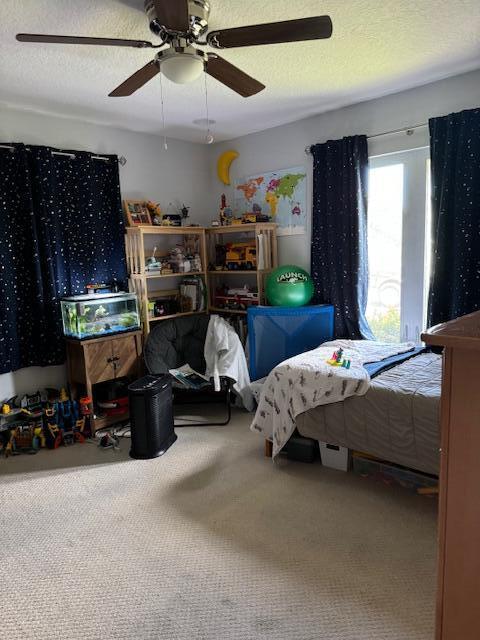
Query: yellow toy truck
x=241, y=256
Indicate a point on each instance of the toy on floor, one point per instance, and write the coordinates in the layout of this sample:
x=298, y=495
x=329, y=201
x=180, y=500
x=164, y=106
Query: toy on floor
x=109, y=441
x=9, y=446
x=337, y=360
x=83, y=425
x=43, y=420
x=32, y=405
x=67, y=419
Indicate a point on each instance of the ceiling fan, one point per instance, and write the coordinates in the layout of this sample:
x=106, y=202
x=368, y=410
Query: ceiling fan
x=180, y=24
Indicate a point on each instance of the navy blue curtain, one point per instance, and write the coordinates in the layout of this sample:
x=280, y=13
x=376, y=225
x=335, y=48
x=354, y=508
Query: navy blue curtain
x=455, y=158
x=339, y=254
x=61, y=227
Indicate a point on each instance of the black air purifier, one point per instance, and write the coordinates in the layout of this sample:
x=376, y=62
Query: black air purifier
x=151, y=416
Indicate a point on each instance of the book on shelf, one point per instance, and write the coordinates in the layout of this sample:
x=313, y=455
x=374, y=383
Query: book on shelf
x=189, y=378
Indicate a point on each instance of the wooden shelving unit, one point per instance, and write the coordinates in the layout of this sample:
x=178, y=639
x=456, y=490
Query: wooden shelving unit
x=261, y=232
x=139, y=243
x=150, y=285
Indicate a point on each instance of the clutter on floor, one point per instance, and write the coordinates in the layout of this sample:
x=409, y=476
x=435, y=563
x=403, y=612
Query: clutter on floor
x=44, y=420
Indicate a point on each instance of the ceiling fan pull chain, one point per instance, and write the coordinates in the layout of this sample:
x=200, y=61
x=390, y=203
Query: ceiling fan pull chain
x=165, y=145
x=209, y=137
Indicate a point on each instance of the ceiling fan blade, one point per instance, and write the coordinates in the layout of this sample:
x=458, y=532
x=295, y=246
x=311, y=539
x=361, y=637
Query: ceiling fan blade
x=137, y=80
x=113, y=42
x=172, y=14
x=272, y=33
x=232, y=76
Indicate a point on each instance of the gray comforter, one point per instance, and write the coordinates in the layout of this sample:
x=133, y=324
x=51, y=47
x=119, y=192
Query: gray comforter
x=397, y=419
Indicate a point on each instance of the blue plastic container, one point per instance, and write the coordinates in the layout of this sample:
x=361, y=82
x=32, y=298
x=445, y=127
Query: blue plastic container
x=278, y=333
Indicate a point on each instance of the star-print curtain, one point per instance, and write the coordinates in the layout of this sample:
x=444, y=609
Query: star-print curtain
x=339, y=255
x=61, y=227
x=455, y=158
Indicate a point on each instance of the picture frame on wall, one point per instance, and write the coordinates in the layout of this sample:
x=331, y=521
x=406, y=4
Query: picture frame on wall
x=136, y=213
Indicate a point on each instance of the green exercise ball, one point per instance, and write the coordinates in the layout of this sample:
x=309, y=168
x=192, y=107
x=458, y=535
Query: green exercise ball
x=289, y=286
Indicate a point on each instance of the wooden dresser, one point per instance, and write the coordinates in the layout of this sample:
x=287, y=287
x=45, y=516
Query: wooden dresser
x=458, y=598
x=102, y=359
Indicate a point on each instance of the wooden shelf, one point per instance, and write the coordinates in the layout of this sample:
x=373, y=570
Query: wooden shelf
x=241, y=228
x=138, y=239
x=236, y=311
x=263, y=235
x=235, y=272
x=141, y=279
x=152, y=229
x=177, y=315
x=184, y=274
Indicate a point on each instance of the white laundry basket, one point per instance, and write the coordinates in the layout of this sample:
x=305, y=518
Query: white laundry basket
x=334, y=456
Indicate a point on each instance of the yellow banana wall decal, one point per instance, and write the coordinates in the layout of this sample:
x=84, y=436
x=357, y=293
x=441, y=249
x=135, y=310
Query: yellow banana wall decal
x=223, y=165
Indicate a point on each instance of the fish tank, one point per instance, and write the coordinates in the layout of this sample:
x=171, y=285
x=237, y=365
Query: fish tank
x=97, y=315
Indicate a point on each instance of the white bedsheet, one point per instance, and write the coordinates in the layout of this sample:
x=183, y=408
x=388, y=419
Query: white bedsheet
x=306, y=381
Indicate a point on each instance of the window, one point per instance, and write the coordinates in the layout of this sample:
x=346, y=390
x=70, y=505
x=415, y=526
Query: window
x=398, y=256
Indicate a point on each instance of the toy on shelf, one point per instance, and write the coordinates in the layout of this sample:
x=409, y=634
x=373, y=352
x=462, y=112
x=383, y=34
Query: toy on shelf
x=164, y=304
x=235, y=299
x=235, y=256
x=337, y=360
x=183, y=261
x=226, y=212
x=179, y=259
x=152, y=263
x=171, y=218
x=241, y=255
x=155, y=212
x=184, y=211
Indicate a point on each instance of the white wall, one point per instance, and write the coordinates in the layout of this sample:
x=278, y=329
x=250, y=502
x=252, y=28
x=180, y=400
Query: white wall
x=178, y=175
x=283, y=147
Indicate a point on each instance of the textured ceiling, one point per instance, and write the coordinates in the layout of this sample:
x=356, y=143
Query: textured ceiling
x=377, y=47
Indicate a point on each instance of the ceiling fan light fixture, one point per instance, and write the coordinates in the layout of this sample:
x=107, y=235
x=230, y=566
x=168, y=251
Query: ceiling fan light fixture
x=182, y=68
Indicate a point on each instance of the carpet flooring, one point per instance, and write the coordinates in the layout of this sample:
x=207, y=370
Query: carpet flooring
x=211, y=541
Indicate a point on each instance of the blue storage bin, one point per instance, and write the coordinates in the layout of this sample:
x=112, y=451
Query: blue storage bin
x=278, y=333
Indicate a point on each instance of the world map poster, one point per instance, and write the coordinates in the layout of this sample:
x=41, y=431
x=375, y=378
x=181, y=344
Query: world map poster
x=280, y=195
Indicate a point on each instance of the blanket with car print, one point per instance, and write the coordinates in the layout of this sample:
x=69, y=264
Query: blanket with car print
x=307, y=381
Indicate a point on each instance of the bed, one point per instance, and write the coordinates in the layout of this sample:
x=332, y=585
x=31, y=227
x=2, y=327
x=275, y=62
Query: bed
x=396, y=420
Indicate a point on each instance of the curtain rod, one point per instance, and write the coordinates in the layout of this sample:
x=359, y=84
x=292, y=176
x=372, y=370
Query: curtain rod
x=409, y=131
x=122, y=160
